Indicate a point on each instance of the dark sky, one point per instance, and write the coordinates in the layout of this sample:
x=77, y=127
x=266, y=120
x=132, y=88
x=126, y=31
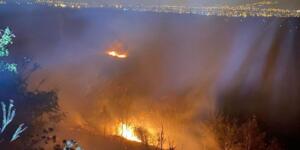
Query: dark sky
x=196, y=64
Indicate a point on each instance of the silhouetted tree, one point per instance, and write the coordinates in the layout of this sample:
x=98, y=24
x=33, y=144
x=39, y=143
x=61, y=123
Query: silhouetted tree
x=35, y=108
x=161, y=139
x=247, y=135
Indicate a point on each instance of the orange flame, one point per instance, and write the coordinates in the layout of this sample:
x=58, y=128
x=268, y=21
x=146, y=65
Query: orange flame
x=117, y=50
x=128, y=132
x=116, y=54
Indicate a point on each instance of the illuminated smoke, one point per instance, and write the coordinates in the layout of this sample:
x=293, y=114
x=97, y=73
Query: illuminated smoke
x=170, y=77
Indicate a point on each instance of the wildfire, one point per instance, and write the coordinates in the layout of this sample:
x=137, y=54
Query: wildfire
x=117, y=50
x=128, y=132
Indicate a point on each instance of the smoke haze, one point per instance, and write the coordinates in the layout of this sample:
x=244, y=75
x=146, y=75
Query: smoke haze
x=180, y=69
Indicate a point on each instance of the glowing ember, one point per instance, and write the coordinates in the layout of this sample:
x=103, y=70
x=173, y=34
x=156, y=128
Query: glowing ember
x=116, y=54
x=127, y=132
x=117, y=50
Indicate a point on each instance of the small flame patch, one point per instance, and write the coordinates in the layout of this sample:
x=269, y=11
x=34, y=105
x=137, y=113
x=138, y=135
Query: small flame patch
x=128, y=132
x=117, y=54
x=117, y=50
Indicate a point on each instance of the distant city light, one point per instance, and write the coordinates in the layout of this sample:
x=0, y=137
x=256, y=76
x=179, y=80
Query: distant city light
x=264, y=8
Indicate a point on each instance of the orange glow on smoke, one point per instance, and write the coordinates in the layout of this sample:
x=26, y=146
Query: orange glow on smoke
x=128, y=132
x=117, y=50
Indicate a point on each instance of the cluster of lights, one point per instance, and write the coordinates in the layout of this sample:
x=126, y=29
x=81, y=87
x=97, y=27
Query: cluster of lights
x=63, y=4
x=261, y=9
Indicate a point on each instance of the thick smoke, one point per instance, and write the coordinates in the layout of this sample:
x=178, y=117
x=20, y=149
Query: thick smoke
x=261, y=78
x=166, y=80
x=178, y=66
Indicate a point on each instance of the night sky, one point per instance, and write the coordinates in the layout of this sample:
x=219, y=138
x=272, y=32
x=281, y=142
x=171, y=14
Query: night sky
x=196, y=64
